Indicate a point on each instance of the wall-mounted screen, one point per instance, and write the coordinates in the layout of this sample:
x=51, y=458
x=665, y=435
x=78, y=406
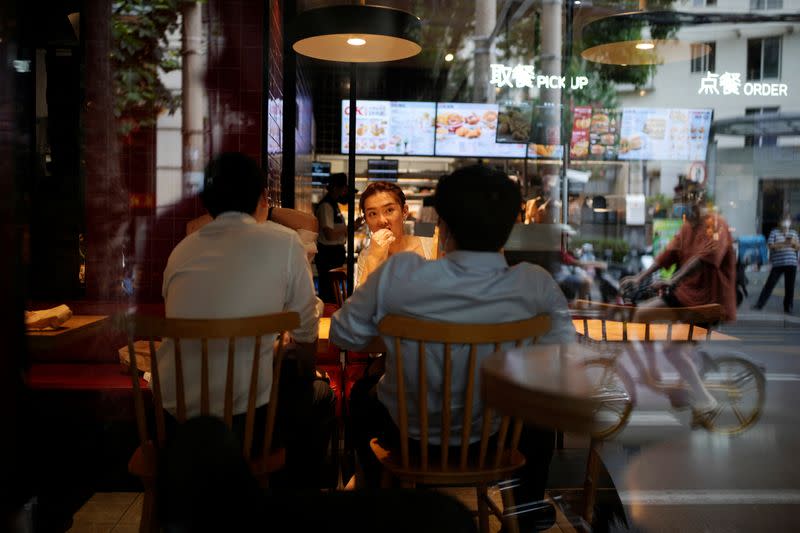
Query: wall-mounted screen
x=391, y=128
x=320, y=172
x=382, y=169
x=468, y=130
x=664, y=133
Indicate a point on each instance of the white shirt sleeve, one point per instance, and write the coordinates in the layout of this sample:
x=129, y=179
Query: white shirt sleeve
x=300, y=296
x=562, y=331
x=325, y=212
x=356, y=323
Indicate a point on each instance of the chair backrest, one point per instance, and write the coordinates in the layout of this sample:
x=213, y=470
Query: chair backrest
x=152, y=328
x=448, y=334
x=339, y=279
x=705, y=316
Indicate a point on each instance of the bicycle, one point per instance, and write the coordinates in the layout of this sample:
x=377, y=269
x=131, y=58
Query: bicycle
x=735, y=382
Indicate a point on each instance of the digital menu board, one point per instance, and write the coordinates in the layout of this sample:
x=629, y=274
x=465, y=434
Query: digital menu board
x=390, y=128
x=664, y=133
x=469, y=130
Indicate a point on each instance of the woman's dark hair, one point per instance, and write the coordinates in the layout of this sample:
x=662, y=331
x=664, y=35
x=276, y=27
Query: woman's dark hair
x=479, y=205
x=382, y=186
x=233, y=182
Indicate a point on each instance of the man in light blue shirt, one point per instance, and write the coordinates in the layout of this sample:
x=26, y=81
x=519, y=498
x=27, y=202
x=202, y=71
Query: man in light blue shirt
x=477, y=207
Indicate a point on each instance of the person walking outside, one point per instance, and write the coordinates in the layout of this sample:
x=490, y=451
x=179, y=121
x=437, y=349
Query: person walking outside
x=783, y=246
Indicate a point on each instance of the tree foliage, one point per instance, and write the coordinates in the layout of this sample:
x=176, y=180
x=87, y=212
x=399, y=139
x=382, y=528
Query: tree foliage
x=139, y=55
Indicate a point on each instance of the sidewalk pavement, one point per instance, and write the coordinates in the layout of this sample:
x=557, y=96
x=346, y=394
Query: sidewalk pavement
x=772, y=314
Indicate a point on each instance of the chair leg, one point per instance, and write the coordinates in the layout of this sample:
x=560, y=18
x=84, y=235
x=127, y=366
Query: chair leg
x=483, y=509
x=590, y=481
x=147, y=523
x=386, y=479
x=510, y=523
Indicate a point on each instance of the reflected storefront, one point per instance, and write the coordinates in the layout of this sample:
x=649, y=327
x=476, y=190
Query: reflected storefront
x=609, y=115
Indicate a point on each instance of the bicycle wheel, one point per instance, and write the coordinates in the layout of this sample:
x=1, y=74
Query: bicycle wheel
x=738, y=386
x=614, y=391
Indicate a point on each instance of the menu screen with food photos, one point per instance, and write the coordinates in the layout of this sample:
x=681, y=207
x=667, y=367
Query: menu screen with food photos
x=469, y=130
x=390, y=128
x=664, y=134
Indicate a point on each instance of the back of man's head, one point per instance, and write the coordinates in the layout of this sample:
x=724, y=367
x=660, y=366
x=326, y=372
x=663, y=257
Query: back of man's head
x=233, y=182
x=479, y=205
x=337, y=179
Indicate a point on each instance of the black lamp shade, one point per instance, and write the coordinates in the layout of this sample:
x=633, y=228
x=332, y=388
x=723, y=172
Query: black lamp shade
x=389, y=34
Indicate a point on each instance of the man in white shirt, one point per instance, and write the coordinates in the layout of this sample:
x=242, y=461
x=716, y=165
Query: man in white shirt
x=240, y=265
x=473, y=283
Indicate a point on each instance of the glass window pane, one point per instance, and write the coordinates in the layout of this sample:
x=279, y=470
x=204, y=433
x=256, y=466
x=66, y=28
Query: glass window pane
x=772, y=58
x=754, y=59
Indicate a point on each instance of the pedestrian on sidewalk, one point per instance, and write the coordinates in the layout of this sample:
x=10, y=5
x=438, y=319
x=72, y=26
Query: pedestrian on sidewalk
x=783, y=246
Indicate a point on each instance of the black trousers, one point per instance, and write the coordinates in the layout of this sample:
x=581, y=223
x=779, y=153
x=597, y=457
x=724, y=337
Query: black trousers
x=328, y=257
x=304, y=423
x=789, y=273
x=371, y=419
x=207, y=486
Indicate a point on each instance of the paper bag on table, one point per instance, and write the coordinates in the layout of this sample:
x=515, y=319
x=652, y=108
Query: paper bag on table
x=47, y=318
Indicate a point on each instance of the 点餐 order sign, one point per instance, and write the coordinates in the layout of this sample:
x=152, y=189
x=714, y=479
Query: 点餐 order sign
x=521, y=76
x=730, y=83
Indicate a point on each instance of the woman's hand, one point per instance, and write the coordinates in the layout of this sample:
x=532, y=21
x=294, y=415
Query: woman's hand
x=382, y=238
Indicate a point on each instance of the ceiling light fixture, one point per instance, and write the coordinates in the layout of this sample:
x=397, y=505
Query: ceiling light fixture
x=658, y=51
x=356, y=33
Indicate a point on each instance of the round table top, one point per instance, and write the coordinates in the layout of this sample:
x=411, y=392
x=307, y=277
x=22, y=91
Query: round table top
x=543, y=384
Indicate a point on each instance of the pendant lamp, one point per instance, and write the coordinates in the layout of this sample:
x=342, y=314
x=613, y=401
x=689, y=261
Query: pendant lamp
x=355, y=34
x=660, y=51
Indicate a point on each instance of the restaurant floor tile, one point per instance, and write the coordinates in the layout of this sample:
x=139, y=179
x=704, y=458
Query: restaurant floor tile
x=119, y=512
x=108, y=512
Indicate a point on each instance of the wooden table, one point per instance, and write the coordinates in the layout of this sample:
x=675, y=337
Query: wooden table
x=543, y=384
x=658, y=332
x=636, y=331
x=76, y=328
x=323, y=343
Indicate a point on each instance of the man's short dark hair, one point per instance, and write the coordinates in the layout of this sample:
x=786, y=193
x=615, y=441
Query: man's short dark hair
x=337, y=179
x=479, y=205
x=233, y=182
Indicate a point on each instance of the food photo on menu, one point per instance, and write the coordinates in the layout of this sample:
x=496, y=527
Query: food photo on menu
x=579, y=141
x=514, y=122
x=390, y=128
x=664, y=133
x=469, y=130
x=604, y=134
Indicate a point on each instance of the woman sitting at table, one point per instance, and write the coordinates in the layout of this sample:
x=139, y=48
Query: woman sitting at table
x=383, y=205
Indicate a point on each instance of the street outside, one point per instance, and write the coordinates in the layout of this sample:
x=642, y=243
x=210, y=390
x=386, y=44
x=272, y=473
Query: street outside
x=671, y=477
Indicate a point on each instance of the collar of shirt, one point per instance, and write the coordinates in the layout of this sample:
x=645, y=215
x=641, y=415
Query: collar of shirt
x=233, y=217
x=478, y=261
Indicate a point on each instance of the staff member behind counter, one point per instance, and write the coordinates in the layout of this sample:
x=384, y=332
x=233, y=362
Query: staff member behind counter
x=332, y=234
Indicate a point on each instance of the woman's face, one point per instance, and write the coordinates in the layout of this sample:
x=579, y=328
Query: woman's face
x=382, y=210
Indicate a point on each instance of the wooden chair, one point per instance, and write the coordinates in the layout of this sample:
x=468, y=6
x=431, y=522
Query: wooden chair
x=620, y=322
x=339, y=279
x=455, y=465
x=262, y=462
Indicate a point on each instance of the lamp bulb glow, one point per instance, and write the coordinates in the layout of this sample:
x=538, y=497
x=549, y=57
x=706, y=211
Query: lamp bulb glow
x=356, y=41
x=645, y=46
x=448, y=57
